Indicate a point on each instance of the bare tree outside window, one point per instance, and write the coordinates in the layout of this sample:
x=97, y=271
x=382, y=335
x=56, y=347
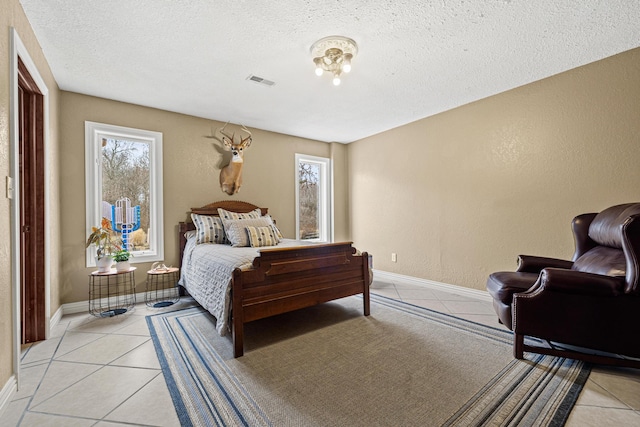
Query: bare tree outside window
x=125, y=176
x=309, y=191
x=313, y=198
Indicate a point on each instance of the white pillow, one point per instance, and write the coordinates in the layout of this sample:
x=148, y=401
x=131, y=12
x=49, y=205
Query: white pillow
x=236, y=230
x=209, y=229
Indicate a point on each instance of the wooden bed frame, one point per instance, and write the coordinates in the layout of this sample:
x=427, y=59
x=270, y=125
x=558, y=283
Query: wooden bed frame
x=287, y=279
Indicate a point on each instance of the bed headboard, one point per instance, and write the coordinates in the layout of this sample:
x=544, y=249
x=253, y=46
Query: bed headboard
x=212, y=209
x=229, y=205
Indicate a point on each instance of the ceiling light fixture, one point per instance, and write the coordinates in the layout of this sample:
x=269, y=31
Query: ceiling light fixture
x=333, y=54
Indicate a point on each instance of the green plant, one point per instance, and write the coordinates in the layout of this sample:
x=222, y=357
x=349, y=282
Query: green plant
x=122, y=255
x=104, y=238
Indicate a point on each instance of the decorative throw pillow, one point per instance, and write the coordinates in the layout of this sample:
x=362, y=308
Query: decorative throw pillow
x=236, y=229
x=209, y=229
x=275, y=228
x=261, y=236
x=224, y=214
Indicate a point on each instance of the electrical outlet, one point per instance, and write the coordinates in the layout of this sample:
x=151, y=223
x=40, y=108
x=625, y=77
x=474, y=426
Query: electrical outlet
x=394, y=257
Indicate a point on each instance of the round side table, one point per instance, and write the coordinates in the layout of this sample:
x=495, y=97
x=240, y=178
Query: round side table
x=162, y=287
x=112, y=293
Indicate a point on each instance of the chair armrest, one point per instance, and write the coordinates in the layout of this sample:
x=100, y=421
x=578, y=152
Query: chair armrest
x=578, y=282
x=535, y=264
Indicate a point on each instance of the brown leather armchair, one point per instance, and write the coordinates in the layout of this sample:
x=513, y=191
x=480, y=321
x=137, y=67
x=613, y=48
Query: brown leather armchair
x=587, y=308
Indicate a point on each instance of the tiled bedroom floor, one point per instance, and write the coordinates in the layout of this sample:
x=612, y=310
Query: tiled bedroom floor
x=104, y=372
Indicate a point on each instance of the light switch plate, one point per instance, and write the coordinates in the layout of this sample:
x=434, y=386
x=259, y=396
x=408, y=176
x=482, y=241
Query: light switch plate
x=9, y=187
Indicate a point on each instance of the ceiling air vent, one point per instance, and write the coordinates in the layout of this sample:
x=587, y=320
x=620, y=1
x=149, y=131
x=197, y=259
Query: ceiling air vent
x=260, y=80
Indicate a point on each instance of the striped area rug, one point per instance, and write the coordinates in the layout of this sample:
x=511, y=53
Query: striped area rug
x=330, y=366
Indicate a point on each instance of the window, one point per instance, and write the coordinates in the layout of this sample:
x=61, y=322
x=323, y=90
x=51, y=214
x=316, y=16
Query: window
x=313, y=198
x=123, y=168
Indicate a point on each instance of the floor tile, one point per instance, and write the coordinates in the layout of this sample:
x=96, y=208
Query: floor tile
x=60, y=376
x=152, y=405
x=381, y=284
x=71, y=318
x=14, y=412
x=400, y=284
x=139, y=327
x=74, y=340
x=139, y=310
x=103, y=325
x=624, y=383
x=594, y=395
x=48, y=420
x=593, y=416
x=58, y=330
x=413, y=294
x=30, y=379
x=448, y=296
x=98, y=394
x=111, y=424
x=468, y=307
x=143, y=356
x=104, y=350
x=42, y=350
x=36, y=363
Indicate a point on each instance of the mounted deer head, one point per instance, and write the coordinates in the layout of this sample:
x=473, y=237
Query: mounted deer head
x=231, y=175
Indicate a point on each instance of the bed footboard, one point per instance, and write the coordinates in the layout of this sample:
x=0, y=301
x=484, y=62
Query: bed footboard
x=288, y=279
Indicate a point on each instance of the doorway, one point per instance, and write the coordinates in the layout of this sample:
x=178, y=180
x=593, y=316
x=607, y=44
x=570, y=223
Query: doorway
x=32, y=201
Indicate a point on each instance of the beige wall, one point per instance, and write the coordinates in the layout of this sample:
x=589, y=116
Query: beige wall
x=191, y=170
x=459, y=195
x=339, y=154
x=12, y=15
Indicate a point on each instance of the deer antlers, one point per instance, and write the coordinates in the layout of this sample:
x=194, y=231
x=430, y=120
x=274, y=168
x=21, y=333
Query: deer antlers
x=228, y=140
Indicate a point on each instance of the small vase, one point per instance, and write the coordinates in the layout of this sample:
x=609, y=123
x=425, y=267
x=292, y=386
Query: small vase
x=104, y=264
x=123, y=266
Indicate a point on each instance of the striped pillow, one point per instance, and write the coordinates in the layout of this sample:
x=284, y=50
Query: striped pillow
x=209, y=229
x=275, y=228
x=225, y=214
x=236, y=229
x=261, y=236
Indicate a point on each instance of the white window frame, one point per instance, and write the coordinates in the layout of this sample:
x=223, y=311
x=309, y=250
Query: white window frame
x=326, y=196
x=94, y=132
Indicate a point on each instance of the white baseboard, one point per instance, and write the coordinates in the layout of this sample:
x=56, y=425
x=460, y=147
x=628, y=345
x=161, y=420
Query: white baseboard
x=7, y=393
x=55, y=319
x=83, y=306
x=432, y=284
x=75, y=307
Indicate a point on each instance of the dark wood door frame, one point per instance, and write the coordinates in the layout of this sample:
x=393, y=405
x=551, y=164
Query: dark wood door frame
x=32, y=207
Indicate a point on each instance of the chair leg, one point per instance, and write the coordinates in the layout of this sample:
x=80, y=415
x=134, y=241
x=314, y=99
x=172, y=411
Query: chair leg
x=518, y=346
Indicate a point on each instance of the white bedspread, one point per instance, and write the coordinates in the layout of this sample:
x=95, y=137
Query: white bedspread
x=206, y=274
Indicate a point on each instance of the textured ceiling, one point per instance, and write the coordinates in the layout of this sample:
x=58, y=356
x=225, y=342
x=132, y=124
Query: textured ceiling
x=416, y=58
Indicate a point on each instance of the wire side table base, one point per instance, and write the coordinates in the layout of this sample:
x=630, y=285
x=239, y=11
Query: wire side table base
x=161, y=288
x=112, y=293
